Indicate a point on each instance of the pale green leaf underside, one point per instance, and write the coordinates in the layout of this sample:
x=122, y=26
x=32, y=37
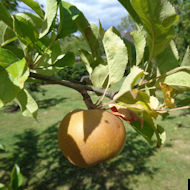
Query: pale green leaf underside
x=179, y=80
x=116, y=53
x=186, y=59
x=140, y=43
x=129, y=81
x=99, y=75
x=51, y=10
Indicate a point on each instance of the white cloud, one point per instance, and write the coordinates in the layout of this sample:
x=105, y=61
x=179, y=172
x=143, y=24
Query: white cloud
x=109, y=12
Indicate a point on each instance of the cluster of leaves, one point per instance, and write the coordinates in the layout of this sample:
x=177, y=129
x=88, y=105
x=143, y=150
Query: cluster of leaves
x=31, y=43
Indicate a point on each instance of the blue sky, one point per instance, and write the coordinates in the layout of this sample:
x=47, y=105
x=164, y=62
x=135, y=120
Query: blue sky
x=109, y=12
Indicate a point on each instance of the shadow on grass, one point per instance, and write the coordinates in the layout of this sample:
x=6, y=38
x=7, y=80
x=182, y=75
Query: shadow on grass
x=46, y=103
x=45, y=168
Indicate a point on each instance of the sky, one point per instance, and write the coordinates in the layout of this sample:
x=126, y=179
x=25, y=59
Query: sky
x=109, y=12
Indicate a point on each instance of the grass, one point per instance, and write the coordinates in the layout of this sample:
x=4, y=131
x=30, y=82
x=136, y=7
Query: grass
x=33, y=146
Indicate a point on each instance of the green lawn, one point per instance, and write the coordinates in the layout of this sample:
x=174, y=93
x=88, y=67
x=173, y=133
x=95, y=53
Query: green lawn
x=33, y=146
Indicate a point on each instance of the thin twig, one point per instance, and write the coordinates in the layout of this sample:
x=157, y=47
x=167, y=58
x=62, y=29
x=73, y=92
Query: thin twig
x=173, y=109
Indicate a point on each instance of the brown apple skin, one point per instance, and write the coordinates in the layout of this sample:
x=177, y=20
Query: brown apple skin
x=89, y=137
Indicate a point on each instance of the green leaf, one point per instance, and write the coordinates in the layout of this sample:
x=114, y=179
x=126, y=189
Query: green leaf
x=116, y=53
x=7, y=58
x=15, y=50
x=166, y=61
x=51, y=10
x=162, y=134
x=35, y=20
x=18, y=73
x=8, y=90
x=129, y=81
x=140, y=43
x=12, y=80
x=8, y=36
x=34, y=6
x=179, y=80
x=174, y=49
x=25, y=29
x=84, y=27
x=86, y=58
x=27, y=104
x=157, y=17
x=67, y=25
x=147, y=130
x=67, y=60
x=16, y=178
x=2, y=31
x=99, y=75
x=2, y=147
x=2, y=187
x=131, y=10
x=131, y=52
x=101, y=30
x=5, y=16
x=186, y=59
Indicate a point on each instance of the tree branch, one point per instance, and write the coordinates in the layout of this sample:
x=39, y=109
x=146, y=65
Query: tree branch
x=78, y=87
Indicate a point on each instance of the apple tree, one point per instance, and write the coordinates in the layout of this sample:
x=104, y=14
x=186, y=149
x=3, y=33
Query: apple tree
x=30, y=50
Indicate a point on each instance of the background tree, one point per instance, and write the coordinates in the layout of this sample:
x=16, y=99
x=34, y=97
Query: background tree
x=182, y=27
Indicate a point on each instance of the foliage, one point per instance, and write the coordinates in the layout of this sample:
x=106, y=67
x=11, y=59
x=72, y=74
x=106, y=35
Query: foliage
x=15, y=180
x=155, y=65
x=182, y=27
x=11, y=5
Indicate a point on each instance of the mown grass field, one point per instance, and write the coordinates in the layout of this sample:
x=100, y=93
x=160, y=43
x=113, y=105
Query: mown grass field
x=33, y=146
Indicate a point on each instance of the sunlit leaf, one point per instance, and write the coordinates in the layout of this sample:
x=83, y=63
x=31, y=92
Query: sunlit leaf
x=2, y=147
x=116, y=53
x=27, y=104
x=130, y=81
x=18, y=73
x=50, y=13
x=12, y=80
x=186, y=59
x=86, y=58
x=2, y=187
x=16, y=178
x=25, y=29
x=99, y=75
x=140, y=43
x=179, y=80
x=162, y=134
x=35, y=6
